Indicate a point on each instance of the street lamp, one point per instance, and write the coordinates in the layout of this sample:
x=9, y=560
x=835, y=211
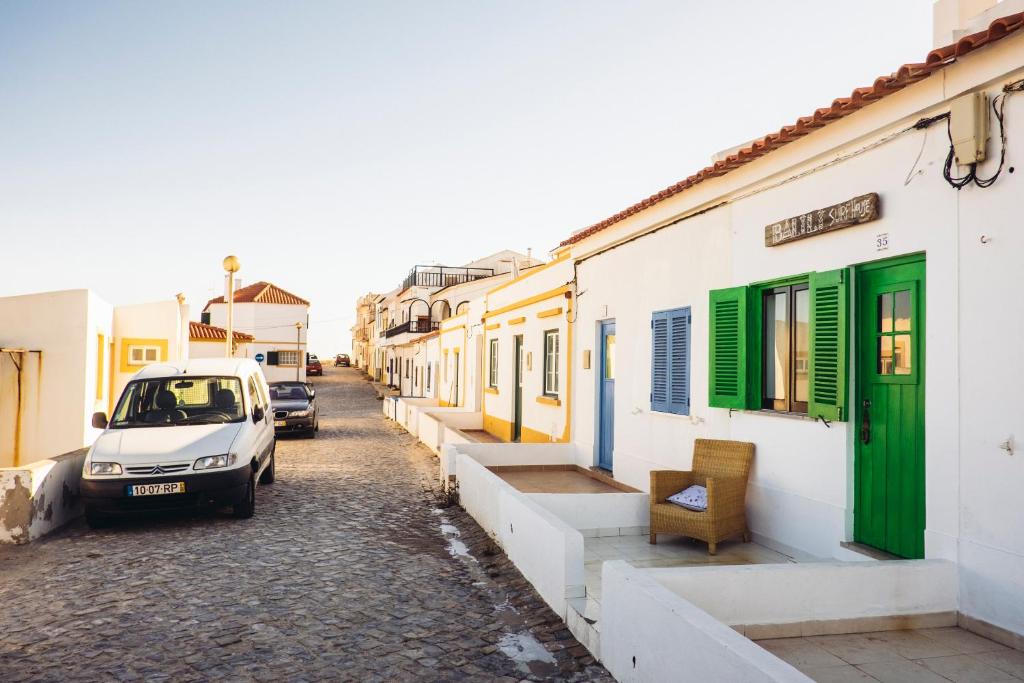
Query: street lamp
x=298, y=352
x=231, y=266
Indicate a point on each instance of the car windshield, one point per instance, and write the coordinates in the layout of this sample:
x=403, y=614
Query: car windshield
x=289, y=391
x=171, y=401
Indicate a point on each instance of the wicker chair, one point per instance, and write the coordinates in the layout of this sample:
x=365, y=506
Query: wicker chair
x=721, y=466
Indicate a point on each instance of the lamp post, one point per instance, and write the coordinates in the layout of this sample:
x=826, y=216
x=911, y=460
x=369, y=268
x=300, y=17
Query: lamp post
x=299, y=360
x=231, y=266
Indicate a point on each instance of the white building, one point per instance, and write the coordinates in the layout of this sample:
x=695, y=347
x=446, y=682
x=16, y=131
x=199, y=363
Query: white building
x=64, y=356
x=825, y=293
x=276, y=319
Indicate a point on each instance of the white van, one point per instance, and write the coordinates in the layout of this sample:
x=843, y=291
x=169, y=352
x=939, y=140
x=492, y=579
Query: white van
x=197, y=433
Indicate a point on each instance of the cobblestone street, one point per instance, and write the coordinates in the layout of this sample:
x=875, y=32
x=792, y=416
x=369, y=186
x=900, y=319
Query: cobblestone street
x=352, y=569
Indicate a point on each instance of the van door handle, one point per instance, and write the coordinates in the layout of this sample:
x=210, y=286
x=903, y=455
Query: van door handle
x=865, y=423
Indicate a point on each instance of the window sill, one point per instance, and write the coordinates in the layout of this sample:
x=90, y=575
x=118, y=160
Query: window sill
x=491, y=390
x=549, y=400
x=778, y=413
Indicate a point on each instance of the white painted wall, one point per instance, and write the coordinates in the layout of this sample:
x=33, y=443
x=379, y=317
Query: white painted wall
x=159, y=320
x=815, y=591
x=59, y=385
x=649, y=633
x=547, y=551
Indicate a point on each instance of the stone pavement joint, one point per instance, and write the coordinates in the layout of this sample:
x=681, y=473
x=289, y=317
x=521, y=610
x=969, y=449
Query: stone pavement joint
x=343, y=574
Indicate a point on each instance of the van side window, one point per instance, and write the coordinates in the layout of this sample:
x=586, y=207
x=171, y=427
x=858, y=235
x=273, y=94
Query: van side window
x=254, y=394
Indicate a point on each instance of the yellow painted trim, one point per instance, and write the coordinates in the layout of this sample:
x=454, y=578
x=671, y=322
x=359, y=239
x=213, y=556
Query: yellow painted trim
x=268, y=341
x=100, y=353
x=550, y=313
x=161, y=345
x=528, y=273
x=549, y=400
x=517, y=321
x=452, y=329
x=557, y=291
x=491, y=390
x=110, y=394
x=493, y=326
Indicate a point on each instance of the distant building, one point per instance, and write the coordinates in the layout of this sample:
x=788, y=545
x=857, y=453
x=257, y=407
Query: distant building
x=269, y=315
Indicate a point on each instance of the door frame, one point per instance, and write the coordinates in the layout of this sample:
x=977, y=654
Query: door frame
x=602, y=332
x=518, y=377
x=919, y=372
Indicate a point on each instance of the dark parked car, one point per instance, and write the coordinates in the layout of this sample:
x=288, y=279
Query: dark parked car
x=295, y=409
x=342, y=361
x=313, y=366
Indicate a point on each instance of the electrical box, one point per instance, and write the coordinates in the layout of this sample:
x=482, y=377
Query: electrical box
x=968, y=126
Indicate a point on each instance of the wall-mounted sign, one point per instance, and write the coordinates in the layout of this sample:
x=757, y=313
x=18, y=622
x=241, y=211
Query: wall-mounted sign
x=259, y=358
x=854, y=211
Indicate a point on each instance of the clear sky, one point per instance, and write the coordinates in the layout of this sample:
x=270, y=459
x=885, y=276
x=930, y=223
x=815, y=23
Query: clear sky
x=333, y=145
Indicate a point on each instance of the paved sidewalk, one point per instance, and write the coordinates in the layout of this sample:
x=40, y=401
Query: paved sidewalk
x=351, y=570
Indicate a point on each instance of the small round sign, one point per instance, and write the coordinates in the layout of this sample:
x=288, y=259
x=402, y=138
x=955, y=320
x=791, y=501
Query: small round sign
x=260, y=357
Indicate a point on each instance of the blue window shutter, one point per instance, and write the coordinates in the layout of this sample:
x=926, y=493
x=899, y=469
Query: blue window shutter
x=670, y=361
x=679, y=345
x=659, y=362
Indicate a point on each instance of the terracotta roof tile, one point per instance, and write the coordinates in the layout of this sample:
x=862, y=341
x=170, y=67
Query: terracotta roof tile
x=907, y=74
x=261, y=293
x=202, y=332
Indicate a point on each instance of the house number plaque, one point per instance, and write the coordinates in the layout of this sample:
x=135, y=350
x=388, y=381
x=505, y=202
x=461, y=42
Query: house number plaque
x=854, y=211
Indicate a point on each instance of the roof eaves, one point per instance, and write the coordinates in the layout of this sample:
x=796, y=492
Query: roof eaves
x=859, y=98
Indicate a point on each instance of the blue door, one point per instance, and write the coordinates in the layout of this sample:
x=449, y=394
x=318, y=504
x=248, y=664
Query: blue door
x=606, y=389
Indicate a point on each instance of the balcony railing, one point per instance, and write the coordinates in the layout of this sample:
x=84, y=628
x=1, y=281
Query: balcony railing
x=443, y=276
x=415, y=326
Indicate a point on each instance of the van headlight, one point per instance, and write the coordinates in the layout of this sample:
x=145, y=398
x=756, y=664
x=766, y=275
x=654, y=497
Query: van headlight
x=104, y=468
x=298, y=413
x=212, y=461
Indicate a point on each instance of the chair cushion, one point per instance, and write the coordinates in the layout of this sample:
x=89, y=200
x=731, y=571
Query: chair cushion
x=692, y=498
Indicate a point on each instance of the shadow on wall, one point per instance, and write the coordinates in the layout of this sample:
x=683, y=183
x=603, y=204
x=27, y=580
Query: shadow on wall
x=40, y=497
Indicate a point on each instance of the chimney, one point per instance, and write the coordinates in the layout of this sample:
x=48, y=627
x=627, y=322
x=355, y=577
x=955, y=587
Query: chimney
x=227, y=281
x=954, y=19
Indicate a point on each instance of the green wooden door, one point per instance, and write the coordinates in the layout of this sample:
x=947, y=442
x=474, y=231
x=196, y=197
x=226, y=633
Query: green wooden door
x=889, y=507
x=517, y=408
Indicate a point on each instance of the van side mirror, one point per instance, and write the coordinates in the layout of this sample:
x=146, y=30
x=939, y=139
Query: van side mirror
x=258, y=413
x=99, y=420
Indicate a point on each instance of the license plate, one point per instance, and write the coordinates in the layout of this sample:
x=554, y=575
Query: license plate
x=279, y=423
x=156, y=489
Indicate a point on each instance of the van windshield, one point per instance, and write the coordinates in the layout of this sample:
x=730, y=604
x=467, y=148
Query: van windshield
x=171, y=401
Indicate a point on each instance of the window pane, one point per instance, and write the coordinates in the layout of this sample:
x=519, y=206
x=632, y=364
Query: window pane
x=776, y=345
x=802, y=299
x=609, y=356
x=901, y=354
x=885, y=312
x=150, y=354
x=885, y=355
x=902, y=306
x=136, y=354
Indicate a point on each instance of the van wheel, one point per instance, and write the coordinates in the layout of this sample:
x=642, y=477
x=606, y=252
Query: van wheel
x=268, y=475
x=247, y=508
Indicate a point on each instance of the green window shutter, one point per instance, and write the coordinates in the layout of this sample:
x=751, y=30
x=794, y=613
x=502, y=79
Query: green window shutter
x=728, y=368
x=829, y=341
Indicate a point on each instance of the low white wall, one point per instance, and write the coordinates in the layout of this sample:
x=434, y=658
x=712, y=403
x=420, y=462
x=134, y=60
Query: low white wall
x=649, y=633
x=39, y=497
x=547, y=551
x=598, y=511
x=815, y=591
